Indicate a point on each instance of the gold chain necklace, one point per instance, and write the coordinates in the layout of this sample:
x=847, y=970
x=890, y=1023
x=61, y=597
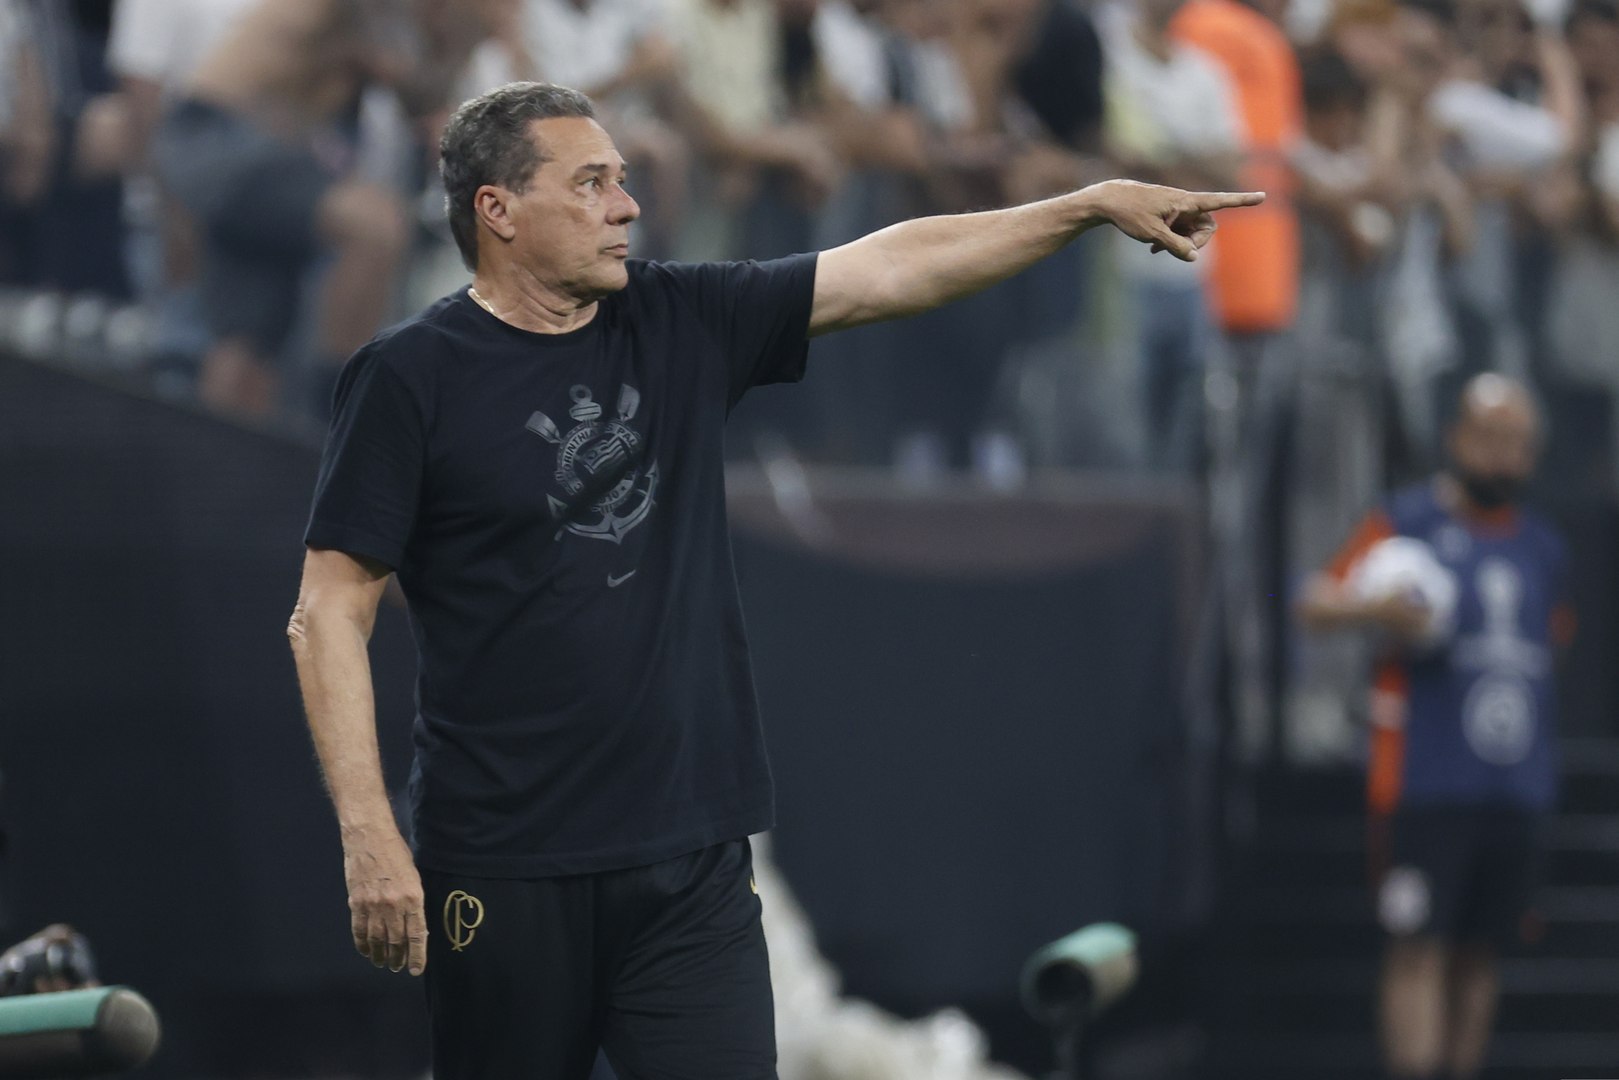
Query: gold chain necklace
x=481, y=301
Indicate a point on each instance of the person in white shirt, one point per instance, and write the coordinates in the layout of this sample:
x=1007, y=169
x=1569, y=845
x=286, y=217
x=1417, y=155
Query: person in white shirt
x=1170, y=116
x=1506, y=148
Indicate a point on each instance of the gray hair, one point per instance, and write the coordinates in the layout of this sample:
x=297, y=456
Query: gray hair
x=488, y=141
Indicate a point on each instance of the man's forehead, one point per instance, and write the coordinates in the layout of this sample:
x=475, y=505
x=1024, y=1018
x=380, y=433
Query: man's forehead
x=574, y=141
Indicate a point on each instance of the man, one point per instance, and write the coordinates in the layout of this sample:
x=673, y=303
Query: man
x=1463, y=756
x=253, y=154
x=539, y=457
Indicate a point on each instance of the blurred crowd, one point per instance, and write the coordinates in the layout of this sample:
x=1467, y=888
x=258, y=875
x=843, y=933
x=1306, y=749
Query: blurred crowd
x=1444, y=180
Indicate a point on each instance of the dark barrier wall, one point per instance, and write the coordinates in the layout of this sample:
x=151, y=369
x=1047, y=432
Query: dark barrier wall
x=161, y=790
x=972, y=708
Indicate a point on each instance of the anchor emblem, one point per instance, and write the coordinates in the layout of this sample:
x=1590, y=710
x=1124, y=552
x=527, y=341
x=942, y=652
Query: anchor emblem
x=598, y=461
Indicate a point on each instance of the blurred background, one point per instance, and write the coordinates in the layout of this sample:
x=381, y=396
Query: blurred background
x=1019, y=573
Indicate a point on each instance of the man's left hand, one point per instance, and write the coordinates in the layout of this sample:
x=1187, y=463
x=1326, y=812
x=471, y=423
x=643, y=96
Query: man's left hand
x=1172, y=220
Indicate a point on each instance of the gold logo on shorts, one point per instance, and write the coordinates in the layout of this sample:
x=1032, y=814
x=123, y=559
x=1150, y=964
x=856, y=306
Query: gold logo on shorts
x=754, y=885
x=463, y=914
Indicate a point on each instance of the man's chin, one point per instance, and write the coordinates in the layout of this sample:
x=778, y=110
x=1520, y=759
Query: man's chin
x=613, y=278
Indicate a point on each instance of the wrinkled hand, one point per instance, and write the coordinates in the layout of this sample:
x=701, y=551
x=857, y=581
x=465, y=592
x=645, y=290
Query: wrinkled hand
x=385, y=902
x=1172, y=220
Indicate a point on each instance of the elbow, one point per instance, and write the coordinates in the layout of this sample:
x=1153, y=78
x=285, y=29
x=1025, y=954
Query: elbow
x=298, y=626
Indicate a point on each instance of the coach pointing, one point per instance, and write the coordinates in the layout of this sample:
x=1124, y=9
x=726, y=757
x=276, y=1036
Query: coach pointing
x=539, y=458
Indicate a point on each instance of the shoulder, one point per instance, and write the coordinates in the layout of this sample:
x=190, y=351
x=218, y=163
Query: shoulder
x=414, y=350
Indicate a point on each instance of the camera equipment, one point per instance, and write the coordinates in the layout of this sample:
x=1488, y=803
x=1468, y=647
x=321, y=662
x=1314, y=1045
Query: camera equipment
x=1069, y=982
x=63, y=955
x=75, y=1033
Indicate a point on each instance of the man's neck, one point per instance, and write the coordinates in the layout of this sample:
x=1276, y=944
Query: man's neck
x=516, y=297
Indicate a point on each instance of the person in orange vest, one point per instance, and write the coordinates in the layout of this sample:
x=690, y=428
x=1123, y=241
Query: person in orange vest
x=1256, y=278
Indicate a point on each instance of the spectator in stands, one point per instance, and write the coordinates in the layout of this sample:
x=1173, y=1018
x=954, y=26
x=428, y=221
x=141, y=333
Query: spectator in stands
x=155, y=47
x=1584, y=320
x=1507, y=148
x=736, y=105
x=69, y=235
x=1256, y=280
x=251, y=153
x=26, y=137
x=1346, y=217
x=621, y=53
x=1464, y=764
x=1171, y=120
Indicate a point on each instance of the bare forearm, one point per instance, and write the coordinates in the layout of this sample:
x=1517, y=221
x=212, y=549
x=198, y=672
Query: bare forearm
x=919, y=265
x=928, y=262
x=1560, y=78
x=334, y=672
x=1326, y=606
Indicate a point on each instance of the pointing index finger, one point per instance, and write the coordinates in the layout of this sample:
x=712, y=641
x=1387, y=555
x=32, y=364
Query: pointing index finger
x=1225, y=200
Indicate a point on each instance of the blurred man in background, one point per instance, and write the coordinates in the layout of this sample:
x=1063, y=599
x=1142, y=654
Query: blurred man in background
x=254, y=153
x=1464, y=767
x=1172, y=119
x=26, y=136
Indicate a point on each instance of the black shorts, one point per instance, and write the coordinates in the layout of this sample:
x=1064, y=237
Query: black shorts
x=1462, y=874
x=255, y=199
x=663, y=967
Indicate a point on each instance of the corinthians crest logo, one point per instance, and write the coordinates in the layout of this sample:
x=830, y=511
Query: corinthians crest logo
x=597, y=455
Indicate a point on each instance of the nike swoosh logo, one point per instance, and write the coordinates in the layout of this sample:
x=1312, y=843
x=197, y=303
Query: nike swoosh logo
x=615, y=582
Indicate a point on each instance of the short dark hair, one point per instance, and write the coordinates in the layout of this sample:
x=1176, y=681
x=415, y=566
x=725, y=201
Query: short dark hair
x=488, y=141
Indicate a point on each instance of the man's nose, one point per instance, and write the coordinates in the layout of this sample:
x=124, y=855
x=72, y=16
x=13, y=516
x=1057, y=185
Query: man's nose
x=624, y=209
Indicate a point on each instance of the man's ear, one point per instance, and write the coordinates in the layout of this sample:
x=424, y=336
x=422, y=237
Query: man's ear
x=493, y=205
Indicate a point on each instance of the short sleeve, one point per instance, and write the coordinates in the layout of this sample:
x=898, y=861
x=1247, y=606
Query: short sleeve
x=370, y=482
x=759, y=311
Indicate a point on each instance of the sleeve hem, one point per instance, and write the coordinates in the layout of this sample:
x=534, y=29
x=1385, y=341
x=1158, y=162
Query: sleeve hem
x=345, y=538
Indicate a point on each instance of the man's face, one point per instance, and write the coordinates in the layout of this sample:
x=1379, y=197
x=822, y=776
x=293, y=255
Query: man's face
x=572, y=224
x=1493, y=448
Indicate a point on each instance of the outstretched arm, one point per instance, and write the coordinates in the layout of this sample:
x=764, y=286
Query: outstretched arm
x=919, y=265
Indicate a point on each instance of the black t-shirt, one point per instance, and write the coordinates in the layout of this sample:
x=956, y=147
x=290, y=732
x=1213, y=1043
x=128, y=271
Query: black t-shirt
x=554, y=505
